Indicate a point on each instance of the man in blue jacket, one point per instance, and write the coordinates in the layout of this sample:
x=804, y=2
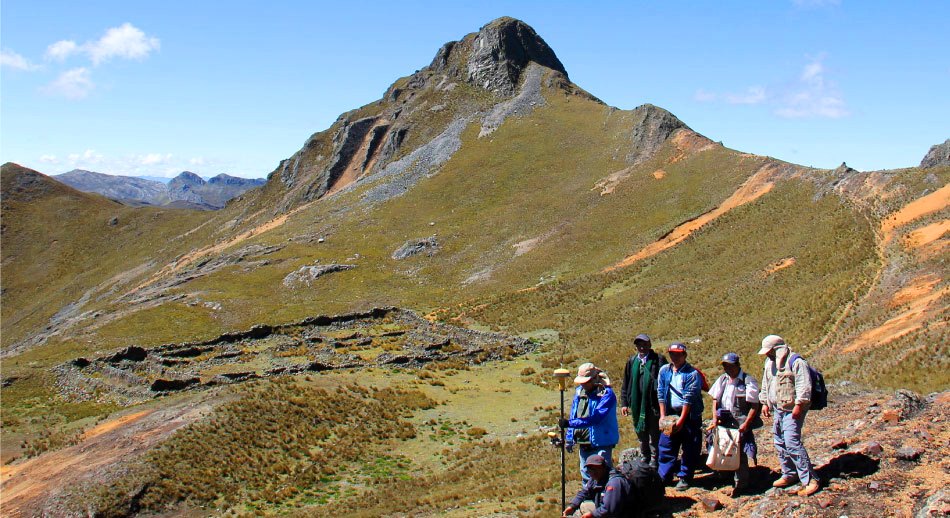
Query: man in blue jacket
x=680, y=393
x=594, y=411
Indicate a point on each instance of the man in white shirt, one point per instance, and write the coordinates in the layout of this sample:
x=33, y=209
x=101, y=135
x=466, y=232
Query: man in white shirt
x=736, y=405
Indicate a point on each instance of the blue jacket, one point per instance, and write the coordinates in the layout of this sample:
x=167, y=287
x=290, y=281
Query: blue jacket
x=691, y=390
x=601, y=418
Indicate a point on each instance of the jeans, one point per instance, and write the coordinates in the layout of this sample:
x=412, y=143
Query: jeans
x=650, y=439
x=787, y=436
x=690, y=438
x=586, y=450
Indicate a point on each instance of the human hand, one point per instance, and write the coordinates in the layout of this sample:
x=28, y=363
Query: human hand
x=765, y=411
x=563, y=423
x=678, y=425
x=624, y=411
x=587, y=515
x=744, y=427
x=569, y=447
x=712, y=426
x=567, y=511
x=797, y=411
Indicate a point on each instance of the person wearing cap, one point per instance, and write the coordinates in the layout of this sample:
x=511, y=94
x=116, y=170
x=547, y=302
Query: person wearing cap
x=639, y=399
x=736, y=405
x=610, y=491
x=787, y=386
x=593, y=422
x=679, y=390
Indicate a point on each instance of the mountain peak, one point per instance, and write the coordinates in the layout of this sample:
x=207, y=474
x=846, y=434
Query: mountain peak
x=189, y=178
x=495, y=56
x=938, y=155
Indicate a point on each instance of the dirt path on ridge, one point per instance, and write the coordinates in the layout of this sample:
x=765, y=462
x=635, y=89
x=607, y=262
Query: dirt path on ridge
x=752, y=189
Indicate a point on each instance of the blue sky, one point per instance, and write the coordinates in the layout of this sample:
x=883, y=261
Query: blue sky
x=154, y=88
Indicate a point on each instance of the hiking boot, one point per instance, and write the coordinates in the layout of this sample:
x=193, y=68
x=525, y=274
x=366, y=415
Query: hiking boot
x=784, y=482
x=682, y=485
x=809, y=489
x=737, y=491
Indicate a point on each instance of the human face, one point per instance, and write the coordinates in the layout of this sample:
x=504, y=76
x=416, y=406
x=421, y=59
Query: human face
x=597, y=472
x=643, y=347
x=731, y=369
x=677, y=358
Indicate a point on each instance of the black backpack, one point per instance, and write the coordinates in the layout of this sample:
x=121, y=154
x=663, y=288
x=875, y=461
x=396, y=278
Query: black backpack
x=645, y=484
x=819, y=392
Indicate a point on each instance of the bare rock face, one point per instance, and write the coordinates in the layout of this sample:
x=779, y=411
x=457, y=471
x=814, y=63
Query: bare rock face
x=305, y=275
x=937, y=156
x=500, y=52
x=653, y=127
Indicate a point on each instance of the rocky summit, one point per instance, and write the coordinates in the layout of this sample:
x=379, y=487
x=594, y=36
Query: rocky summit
x=939, y=155
x=375, y=329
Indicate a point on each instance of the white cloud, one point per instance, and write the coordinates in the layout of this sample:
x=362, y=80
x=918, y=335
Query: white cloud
x=125, y=41
x=813, y=95
x=49, y=159
x=72, y=84
x=87, y=158
x=10, y=59
x=155, y=158
x=61, y=50
x=197, y=161
x=752, y=95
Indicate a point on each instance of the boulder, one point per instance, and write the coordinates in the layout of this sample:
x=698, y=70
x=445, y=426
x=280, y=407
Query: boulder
x=428, y=246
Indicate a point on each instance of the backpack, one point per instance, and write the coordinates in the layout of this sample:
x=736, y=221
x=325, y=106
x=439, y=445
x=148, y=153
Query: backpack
x=703, y=380
x=645, y=483
x=819, y=392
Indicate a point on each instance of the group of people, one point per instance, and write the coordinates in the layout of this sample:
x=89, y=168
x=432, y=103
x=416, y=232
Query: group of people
x=663, y=398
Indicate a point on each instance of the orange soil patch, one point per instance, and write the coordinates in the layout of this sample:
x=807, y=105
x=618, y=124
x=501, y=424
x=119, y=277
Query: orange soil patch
x=929, y=241
x=689, y=142
x=27, y=484
x=659, y=174
x=937, y=200
x=752, y=189
x=922, y=305
x=781, y=265
x=919, y=287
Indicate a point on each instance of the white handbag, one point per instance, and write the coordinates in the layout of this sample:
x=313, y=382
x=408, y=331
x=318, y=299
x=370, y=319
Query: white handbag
x=724, y=453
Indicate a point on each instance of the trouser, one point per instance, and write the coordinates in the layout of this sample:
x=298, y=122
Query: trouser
x=787, y=436
x=690, y=439
x=586, y=450
x=650, y=439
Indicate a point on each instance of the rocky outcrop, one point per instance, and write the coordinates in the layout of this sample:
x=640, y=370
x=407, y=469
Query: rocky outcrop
x=939, y=155
x=652, y=127
x=307, y=274
x=500, y=53
x=428, y=246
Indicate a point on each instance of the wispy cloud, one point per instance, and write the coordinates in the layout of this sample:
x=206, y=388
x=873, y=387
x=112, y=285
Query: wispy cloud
x=10, y=59
x=810, y=94
x=813, y=95
x=125, y=41
x=61, y=50
x=49, y=159
x=71, y=84
x=155, y=158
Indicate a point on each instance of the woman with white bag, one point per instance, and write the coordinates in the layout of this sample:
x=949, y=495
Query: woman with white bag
x=735, y=414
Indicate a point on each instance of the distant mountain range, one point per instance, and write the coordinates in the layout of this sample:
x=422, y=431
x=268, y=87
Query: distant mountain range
x=187, y=190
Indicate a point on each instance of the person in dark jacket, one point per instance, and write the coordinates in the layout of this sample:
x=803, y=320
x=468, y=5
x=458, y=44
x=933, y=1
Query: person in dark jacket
x=610, y=491
x=593, y=417
x=638, y=396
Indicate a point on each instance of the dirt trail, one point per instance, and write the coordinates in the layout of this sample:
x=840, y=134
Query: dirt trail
x=755, y=187
x=25, y=486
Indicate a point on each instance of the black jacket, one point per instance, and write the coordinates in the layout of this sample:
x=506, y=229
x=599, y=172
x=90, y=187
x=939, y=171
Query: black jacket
x=614, y=499
x=626, y=392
